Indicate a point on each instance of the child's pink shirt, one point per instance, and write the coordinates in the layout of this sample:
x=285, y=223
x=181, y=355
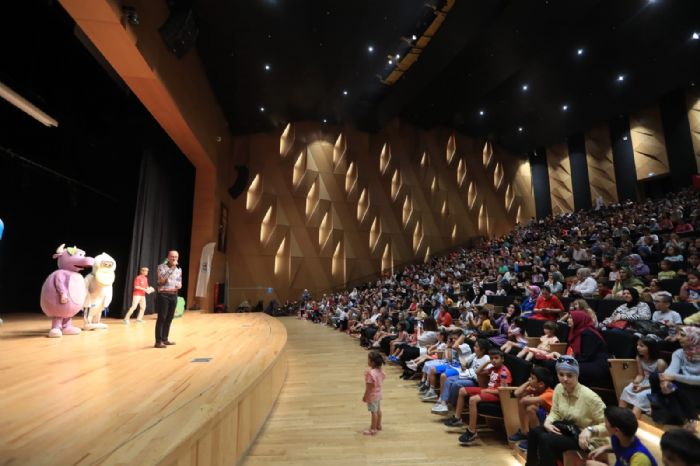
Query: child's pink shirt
x=375, y=377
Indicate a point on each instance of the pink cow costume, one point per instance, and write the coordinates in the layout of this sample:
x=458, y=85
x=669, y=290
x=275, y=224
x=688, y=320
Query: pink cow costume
x=64, y=291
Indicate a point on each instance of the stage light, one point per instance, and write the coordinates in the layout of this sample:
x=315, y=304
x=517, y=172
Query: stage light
x=397, y=56
x=325, y=121
x=267, y=67
x=579, y=52
x=520, y=129
x=620, y=78
x=391, y=62
x=262, y=109
x=345, y=92
x=370, y=49
x=413, y=37
x=565, y=107
x=26, y=106
x=695, y=36
x=624, y=138
x=481, y=113
x=525, y=87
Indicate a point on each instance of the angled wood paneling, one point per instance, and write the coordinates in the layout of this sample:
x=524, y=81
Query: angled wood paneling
x=693, y=99
x=333, y=207
x=648, y=143
x=601, y=171
x=560, y=179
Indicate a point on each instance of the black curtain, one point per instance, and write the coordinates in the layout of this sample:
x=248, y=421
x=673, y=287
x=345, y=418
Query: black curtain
x=162, y=217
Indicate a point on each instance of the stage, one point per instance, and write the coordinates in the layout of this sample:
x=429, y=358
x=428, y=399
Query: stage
x=109, y=397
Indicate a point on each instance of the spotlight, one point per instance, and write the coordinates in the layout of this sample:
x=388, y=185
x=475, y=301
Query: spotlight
x=131, y=15
x=695, y=36
x=579, y=52
x=391, y=62
x=481, y=113
x=345, y=92
x=370, y=49
x=397, y=56
x=413, y=37
x=520, y=129
x=565, y=107
x=325, y=121
x=267, y=67
x=525, y=87
x=624, y=138
x=620, y=78
x=262, y=109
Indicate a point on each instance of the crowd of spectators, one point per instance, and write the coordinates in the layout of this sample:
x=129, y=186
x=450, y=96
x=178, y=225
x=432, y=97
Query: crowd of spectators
x=617, y=281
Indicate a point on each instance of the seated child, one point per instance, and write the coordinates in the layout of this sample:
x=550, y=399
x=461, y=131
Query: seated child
x=402, y=336
x=516, y=336
x=621, y=425
x=466, y=376
x=543, y=350
x=499, y=376
x=534, y=403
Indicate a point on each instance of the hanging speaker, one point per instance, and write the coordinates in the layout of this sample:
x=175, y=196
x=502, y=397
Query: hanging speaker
x=180, y=30
x=241, y=182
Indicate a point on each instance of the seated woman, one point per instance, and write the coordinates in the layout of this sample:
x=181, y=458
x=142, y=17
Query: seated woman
x=426, y=339
x=632, y=310
x=634, y=395
x=587, y=345
x=576, y=414
x=584, y=285
x=625, y=280
x=528, y=303
x=676, y=392
x=580, y=305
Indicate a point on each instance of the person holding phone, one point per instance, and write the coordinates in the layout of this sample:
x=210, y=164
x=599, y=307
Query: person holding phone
x=169, y=284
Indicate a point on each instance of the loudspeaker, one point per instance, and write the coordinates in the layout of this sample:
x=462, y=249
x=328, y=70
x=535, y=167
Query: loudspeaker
x=241, y=182
x=180, y=31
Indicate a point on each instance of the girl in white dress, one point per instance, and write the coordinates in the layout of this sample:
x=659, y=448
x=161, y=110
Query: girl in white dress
x=634, y=395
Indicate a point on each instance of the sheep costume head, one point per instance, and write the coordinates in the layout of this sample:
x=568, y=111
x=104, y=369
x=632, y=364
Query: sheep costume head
x=64, y=291
x=99, y=285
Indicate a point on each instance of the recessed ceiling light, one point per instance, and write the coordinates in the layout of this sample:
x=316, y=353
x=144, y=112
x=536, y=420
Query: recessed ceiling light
x=391, y=62
x=370, y=48
x=520, y=129
x=624, y=138
x=267, y=67
x=695, y=36
x=414, y=37
x=579, y=52
x=620, y=78
x=525, y=87
x=565, y=107
x=397, y=56
x=325, y=121
x=262, y=109
x=481, y=113
x=345, y=92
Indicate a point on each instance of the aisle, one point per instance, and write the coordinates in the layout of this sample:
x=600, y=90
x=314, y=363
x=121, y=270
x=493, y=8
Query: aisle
x=319, y=416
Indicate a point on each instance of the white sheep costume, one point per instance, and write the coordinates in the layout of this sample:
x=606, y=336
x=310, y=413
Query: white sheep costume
x=99, y=284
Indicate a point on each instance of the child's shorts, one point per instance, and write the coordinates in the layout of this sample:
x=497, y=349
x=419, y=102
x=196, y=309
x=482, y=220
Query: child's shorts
x=541, y=414
x=373, y=406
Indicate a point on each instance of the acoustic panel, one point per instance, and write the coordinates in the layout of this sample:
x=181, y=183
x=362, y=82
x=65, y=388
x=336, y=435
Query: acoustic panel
x=559, y=170
x=693, y=99
x=601, y=170
x=646, y=131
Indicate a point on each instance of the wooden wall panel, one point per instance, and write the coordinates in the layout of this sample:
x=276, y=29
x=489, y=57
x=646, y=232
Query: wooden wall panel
x=601, y=171
x=357, y=203
x=560, y=179
x=693, y=99
x=650, y=157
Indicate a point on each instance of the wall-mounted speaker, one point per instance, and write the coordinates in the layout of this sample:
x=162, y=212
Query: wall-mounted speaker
x=180, y=30
x=241, y=183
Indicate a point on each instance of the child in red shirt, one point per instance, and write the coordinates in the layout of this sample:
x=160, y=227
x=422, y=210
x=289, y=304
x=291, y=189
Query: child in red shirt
x=499, y=376
x=141, y=288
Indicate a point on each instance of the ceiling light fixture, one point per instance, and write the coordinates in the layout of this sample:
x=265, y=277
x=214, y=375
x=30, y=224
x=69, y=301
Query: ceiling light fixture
x=565, y=107
x=345, y=92
x=413, y=37
x=520, y=129
x=397, y=56
x=267, y=67
x=370, y=49
x=481, y=113
x=391, y=62
x=579, y=52
x=620, y=78
x=262, y=109
x=695, y=36
x=325, y=121
x=26, y=106
x=525, y=87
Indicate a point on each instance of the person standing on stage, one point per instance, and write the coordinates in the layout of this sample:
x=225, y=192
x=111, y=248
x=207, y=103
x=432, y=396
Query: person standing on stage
x=169, y=283
x=141, y=288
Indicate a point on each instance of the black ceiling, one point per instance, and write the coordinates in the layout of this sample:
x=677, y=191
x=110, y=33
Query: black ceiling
x=479, y=59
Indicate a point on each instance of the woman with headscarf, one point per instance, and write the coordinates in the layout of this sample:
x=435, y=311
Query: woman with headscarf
x=637, y=265
x=587, y=345
x=528, y=303
x=676, y=392
x=625, y=280
x=632, y=310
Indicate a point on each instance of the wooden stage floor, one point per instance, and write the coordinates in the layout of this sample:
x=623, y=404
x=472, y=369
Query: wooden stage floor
x=109, y=397
x=319, y=416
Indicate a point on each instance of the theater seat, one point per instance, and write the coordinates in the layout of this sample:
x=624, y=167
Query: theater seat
x=622, y=345
x=622, y=371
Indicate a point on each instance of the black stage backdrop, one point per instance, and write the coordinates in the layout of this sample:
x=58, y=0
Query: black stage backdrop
x=162, y=218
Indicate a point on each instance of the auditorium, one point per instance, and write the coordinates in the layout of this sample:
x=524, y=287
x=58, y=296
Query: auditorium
x=311, y=233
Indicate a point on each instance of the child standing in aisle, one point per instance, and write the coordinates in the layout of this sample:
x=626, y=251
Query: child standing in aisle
x=374, y=377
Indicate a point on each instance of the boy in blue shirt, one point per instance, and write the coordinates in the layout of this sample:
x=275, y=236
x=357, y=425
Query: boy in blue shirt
x=621, y=424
